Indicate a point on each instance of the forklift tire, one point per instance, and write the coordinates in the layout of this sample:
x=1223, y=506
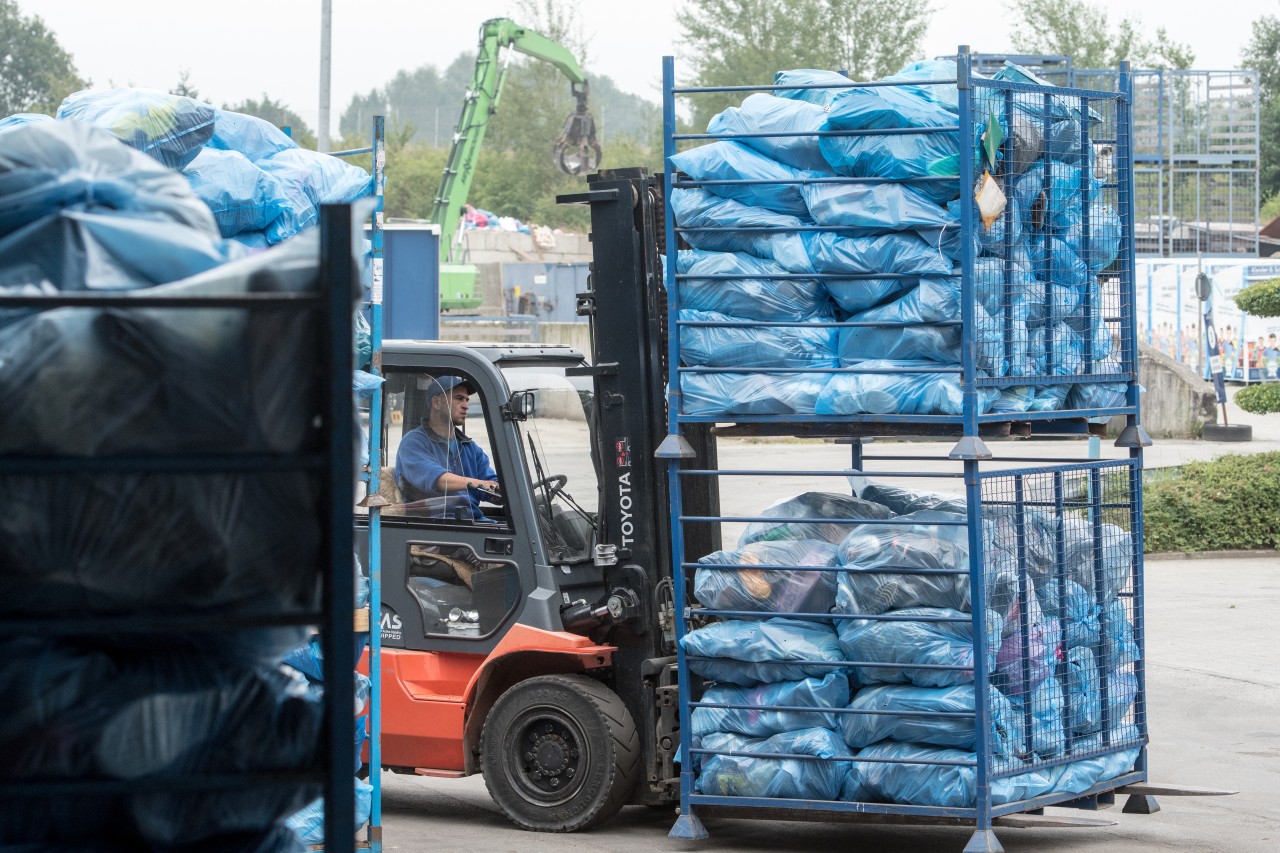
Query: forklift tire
x=559, y=753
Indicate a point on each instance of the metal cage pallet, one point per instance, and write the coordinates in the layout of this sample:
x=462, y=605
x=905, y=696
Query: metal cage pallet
x=1034, y=573
x=326, y=458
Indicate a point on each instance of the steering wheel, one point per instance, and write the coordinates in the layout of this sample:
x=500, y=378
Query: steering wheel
x=554, y=484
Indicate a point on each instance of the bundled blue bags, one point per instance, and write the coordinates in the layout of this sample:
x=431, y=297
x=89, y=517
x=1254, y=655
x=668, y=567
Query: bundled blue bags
x=798, y=779
x=733, y=161
x=901, y=713
x=750, y=393
x=751, y=297
x=241, y=196
x=761, y=720
x=767, y=114
x=736, y=344
x=754, y=652
x=909, y=387
x=889, y=652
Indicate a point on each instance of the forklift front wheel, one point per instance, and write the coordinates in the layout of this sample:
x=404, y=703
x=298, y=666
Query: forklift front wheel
x=559, y=753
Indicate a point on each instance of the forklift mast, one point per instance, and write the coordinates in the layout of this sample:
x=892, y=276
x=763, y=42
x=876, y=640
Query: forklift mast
x=627, y=309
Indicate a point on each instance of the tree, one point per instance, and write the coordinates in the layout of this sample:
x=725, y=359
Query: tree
x=745, y=42
x=279, y=115
x=1261, y=299
x=35, y=72
x=1262, y=54
x=184, y=87
x=1082, y=31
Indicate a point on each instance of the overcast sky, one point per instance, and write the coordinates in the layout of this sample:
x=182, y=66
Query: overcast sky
x=238, y=49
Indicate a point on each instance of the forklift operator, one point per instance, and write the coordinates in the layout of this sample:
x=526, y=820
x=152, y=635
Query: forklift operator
x=437, y=458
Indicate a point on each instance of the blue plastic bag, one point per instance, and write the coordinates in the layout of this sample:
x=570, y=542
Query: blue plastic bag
x=1079, y=614
x=859, y=294
x=755, y=652
x=799, y=347
x=750, y=393
x=325, y=179
x=1054, y=261
x=1038, y=719
x=761, y=720
x=170, y=128
x=892, y=718
x=888, y=652
x=841, y=509
x=241, y=196
x=761, y=113
x=733, y=161
x=1116, y=550
x=822, y=97
x=22, y=118
x=798, y=779
x=695, y=208
x=308, y=823
x=253, y=137
x=782, y=299
x=299, y=212
x=884, y=206
x=768, y=590
x=1104, y=236
x=899, y=253
x=895, y=392
x=951, y=785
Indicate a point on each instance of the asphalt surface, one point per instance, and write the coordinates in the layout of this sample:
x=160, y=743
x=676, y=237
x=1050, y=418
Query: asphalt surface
x=1214, y=686
x=1213, y=652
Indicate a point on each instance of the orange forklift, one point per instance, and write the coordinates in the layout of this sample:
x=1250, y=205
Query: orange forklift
x=534, y=641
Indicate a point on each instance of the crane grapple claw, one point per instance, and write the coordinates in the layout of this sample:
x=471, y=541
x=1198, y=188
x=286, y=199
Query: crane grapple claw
x=577, y=151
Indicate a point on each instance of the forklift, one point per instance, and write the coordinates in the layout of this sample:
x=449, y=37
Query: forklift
x=536, y=643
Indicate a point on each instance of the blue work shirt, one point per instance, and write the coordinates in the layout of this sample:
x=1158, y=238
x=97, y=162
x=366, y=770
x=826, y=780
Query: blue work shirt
x=423, y=456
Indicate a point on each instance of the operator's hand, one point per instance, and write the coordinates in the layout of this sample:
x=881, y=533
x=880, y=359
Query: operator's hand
x=490, y=489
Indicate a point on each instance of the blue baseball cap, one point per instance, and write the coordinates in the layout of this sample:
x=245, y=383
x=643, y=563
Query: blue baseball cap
x=445, y=384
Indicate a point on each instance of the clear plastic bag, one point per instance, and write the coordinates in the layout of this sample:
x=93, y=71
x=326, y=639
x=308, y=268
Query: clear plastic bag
x=769, y=590
x=752, y=298
x=902, y=501
x=797, y=779
x=863, y=730
x=756, y=652
x=821, y=694
x=798, y=347
x=721, y=161
x=750, y=393
x=841, y=509
x=900, y=647
x=170, y=128
x=869, y=551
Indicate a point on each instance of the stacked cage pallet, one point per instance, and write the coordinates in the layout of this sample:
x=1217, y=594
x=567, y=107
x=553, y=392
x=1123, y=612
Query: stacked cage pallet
x=930, y=254
x=177, y=462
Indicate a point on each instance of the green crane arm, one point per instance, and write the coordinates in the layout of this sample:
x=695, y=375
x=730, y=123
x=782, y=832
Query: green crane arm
x=482, y=101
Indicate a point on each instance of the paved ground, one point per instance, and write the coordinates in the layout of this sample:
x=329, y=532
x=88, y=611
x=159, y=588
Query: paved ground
x=1214, y=684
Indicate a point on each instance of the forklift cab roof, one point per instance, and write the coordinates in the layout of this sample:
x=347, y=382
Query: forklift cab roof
x=409, y=353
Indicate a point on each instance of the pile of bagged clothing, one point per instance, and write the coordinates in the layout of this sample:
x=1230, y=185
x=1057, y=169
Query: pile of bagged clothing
x=145, y=714
x=861, y=660
x=816, y=243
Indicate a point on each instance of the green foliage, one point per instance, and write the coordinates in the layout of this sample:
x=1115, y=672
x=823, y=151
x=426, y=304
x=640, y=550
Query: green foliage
x=1262, y=54
x=1082, y=31
x=35, y=72
x=1230, y=503
x=184, y=87
x=741, y=42
x=279, y=115
x=1259, y=399
x=1261, y=299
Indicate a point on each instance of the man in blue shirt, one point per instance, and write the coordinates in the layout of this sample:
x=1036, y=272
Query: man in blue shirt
x=436, y=458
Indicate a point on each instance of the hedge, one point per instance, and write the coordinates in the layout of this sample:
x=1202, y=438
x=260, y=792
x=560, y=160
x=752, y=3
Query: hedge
x=1259, y=399
x=1230, y=503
